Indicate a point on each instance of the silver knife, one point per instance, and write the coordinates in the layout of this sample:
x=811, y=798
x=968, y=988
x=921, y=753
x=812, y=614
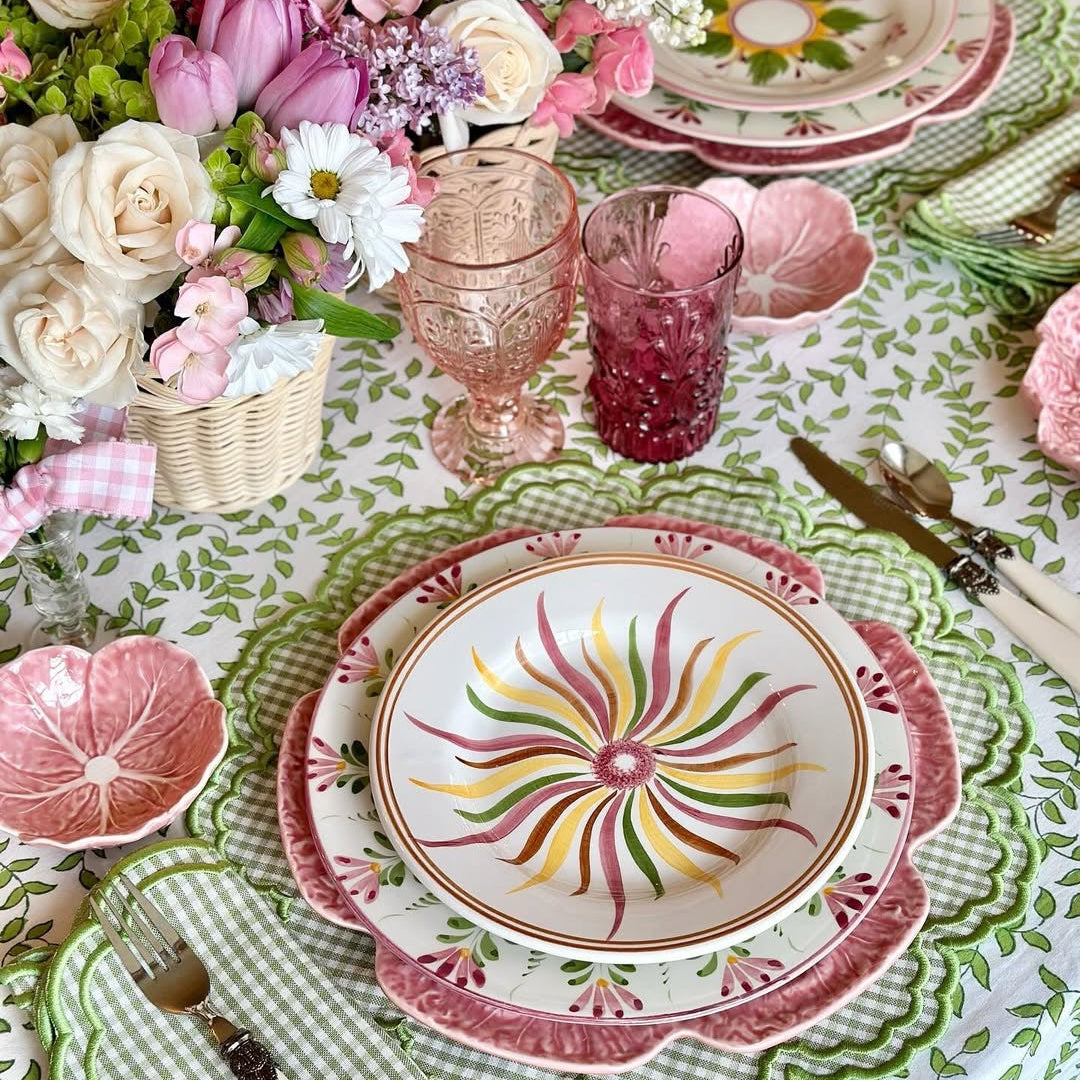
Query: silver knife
x=1057, y=645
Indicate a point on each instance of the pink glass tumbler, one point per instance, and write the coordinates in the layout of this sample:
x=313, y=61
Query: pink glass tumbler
x=661, y=266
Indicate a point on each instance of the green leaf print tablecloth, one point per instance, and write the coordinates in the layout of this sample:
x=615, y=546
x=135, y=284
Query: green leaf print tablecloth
x=992, y=988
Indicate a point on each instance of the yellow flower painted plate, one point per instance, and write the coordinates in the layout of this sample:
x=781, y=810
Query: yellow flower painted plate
x=775, y=55
x=621, y=757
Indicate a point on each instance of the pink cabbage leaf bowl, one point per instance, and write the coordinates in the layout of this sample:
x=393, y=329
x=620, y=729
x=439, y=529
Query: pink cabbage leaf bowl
x=803, y=256
x=100, y=750
x=1052, y=381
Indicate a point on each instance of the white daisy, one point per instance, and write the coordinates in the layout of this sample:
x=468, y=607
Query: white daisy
x=24, y=408
x=263, y=354
x=388, y=221
x=331, y=175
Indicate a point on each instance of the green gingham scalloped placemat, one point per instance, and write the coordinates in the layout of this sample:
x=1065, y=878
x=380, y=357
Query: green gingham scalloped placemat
x=978, y=870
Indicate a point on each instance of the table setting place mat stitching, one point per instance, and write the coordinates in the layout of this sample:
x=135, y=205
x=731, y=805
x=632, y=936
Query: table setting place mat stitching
x=971, y=895
x=1039, y=82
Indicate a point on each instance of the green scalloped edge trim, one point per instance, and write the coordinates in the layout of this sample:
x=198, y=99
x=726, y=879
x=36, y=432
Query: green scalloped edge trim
x=1049, y=42
x=637, y=485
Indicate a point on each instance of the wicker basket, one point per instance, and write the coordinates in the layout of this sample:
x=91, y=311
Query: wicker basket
x=540, y=141
x=232, y=453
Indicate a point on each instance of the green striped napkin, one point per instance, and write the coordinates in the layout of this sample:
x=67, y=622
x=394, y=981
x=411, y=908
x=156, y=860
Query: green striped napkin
x=1016, y=280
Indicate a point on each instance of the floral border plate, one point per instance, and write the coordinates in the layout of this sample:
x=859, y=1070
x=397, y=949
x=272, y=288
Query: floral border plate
x=497, y=972
x=643, y=135
x=619, y=757
x=802, y=128
x=787, y=54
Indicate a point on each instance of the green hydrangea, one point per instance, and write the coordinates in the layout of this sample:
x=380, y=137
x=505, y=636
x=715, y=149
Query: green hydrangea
x=98, y=76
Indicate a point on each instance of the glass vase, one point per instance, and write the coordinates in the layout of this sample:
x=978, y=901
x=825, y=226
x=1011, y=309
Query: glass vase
x=47, y=557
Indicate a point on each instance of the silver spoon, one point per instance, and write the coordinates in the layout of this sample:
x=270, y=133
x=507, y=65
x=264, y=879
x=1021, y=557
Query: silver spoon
x=921, y=487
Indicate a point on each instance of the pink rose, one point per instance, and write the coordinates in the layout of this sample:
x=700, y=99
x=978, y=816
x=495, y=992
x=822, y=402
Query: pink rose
x=195, y=241
x=622, y=62
x=14, y=63
x=568, y=96
x=200, y=375
x=397, y=147
x=377, y=10
x=578, y=19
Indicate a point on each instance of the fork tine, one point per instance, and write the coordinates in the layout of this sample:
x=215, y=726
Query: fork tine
x=134, y=964
x=173, y=941
x=1007, y=238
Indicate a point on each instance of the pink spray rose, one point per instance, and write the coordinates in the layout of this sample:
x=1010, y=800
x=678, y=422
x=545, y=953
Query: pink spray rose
x=256, y=38
x=578, y=19
x=568, y=96
x=196, y=241
x=212, y=309
x=319, y=85
x=200, y=375
x=622, y=62
x=377, y=10
x=14, y=63
x=397, y=147
x=195, y=91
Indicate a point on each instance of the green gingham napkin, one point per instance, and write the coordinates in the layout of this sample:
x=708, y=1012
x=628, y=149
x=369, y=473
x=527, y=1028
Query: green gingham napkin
x=98, y=1026
x=1017, y=280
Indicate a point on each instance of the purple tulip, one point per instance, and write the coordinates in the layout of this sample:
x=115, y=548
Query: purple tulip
x=257, y=38
x=320, y=85
x=195, y=91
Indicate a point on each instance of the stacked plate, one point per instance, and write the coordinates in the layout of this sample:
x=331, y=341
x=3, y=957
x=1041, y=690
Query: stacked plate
x=801, y=85
x=592, y=791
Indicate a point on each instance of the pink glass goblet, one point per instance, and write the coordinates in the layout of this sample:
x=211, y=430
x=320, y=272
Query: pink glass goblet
x=489, y=293
x=661, y=265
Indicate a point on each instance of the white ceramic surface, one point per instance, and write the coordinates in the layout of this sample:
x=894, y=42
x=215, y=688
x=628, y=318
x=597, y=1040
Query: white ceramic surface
x=583, y=757
x=785, y=55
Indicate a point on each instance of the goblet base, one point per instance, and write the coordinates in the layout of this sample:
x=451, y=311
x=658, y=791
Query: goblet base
x=536, y=434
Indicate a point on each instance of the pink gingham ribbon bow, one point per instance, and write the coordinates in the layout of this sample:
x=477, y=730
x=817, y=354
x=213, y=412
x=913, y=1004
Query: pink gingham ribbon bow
x=102, y=475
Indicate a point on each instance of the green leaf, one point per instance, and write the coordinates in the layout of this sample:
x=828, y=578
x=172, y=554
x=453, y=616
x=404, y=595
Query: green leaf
x=1036, y=940
x=827, y=54
x=102, y=79
x=844, y=20
x=1051, y=981
x=262, y=233
x=1044, y=904
x=1074, y=907
x=251, y=195
x=978, y=1042
x=340, y=318
x=714, y=45
x=937, y=1060
x=766, y=65
x=198, y=628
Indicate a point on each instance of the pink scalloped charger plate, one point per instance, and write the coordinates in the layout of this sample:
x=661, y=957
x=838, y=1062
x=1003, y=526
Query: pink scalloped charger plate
x=642, y=135
x=99, y=750
x=888, y=927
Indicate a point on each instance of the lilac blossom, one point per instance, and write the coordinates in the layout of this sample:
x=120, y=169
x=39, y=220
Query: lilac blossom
x=415, y=70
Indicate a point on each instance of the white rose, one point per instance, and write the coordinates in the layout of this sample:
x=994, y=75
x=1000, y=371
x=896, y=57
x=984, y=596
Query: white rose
x=118, y=203
x=27, y=155
x=72, y=332
x=66, y=14
x=517, y=59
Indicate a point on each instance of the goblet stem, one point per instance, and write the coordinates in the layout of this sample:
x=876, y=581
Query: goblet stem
x=495, y=417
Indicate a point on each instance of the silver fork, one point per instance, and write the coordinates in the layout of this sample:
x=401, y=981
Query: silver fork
x=1037, y=227
x=173, y=977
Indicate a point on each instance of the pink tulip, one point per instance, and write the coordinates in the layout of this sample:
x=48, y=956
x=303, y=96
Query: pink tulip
x=399, y=150
x=195, y=91
x=568, y=96
x=200, y=375
x=324, y=13
x=257, y=38
x=14, y=63
x=377, y=10
x=578, y=19
x=212, y=309
x=622, y=61
x=320, y=85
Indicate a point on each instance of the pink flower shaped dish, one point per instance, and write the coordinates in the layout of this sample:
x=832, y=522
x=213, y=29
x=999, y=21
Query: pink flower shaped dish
x=803, y=254
x=1052, y=381
x=100, y=750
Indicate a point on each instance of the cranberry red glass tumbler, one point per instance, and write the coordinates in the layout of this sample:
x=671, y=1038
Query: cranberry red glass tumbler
x=489, y=293
x=661, y=267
